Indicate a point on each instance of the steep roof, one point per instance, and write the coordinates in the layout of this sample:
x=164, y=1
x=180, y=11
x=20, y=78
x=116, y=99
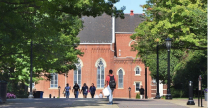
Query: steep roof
x=99, y=29
x=128, y=24
x=96, y=30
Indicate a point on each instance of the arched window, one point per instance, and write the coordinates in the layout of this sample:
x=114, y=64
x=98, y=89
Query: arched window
x=100, y=74
x=77, y=74
x=120, y=78
x=137, y=70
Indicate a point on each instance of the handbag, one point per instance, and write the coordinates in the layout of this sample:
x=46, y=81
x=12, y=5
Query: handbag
x=106, y=92
x=64, y=93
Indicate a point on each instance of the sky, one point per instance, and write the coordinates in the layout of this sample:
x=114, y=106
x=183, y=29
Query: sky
x=131, y=5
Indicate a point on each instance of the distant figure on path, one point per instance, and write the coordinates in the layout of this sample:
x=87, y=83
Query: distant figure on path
x=76, y=90
x=100, y=95
x=67, y=88
x=84, y=90
x=92, y=90
x=141, y=92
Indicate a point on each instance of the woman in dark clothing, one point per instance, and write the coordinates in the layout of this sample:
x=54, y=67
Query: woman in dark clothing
x=84, y=90
x=92, y=90
x=76, y=90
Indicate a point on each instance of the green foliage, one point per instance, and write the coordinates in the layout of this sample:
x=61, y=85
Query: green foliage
x=22, y=94
x=177, y=93
x=194, y=65
x=52, y=26
x=152, y=63
x=163, y=97
x=185, y=22
x=138, y=96
x=18, y=89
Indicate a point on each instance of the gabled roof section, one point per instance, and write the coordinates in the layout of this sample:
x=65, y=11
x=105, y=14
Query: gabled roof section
x=96, y=30
x=128, y=24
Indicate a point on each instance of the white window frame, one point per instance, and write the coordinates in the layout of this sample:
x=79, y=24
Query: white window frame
x=122, y=78
x=104, y=65
x=53, y=80
x=80, y=63
x=140, y=84
x=140, y=70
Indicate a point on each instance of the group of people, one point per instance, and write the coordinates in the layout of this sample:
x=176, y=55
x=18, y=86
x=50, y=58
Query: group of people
x=110, y=83
x=76, y=90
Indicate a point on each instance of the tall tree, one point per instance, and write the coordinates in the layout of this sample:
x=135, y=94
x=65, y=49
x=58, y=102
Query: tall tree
x=184, y=21
x=52, y=26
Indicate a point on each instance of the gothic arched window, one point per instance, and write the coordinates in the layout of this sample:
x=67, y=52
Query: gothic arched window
x=120, y=78
x=137, y=71
x=77, y=74
x=100, y=74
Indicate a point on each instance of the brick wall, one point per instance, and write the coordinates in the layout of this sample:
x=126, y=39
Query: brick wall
x=89, y=71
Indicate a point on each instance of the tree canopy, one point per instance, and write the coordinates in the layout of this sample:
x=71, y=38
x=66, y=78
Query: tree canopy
x=184, y=21
x=52, y=26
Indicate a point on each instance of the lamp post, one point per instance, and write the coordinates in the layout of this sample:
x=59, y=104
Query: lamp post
x=31, y=69
x=129, y=92
x=145, y=82
x=157, y=94
x=59, y=90
x=168, y=45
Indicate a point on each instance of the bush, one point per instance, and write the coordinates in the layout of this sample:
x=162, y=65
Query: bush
x=138, y=96
x=21, y=94
x=24, y=95
x=177, y=93
x=10, y=95
x=163, y=97
x=19, y=91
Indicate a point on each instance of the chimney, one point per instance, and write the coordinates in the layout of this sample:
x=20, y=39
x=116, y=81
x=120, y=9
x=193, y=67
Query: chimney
x=132, y=13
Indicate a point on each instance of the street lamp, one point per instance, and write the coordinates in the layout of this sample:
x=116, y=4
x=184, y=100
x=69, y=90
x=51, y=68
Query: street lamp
x=129, y=92
x=168, y=45
x=59, y=90
x=157, y=94
x=31, y=69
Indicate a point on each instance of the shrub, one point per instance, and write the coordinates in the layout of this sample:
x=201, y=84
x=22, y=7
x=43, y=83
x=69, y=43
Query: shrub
x=177, y=93
x=10, y=95
x=163, y=97
x=138, y=96
x=205, y=90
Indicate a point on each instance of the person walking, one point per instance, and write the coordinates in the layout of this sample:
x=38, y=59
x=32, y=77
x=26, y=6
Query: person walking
x=141, y=92
x=92, y=90
x=100, y=95
x=84, y=90
x=76, y=90
x=66, y=89
x=110, y=83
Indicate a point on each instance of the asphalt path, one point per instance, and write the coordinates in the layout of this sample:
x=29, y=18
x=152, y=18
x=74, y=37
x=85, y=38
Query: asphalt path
x=88, y=103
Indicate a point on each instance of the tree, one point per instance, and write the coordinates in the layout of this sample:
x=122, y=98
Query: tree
x=52, y=26
x=152, y=64
x=193, y=65
x=184, y=21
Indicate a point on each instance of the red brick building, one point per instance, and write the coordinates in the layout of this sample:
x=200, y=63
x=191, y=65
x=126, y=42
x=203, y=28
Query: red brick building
x=106, y=44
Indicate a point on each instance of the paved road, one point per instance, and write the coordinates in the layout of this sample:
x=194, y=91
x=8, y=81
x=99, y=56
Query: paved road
x=91, y=103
